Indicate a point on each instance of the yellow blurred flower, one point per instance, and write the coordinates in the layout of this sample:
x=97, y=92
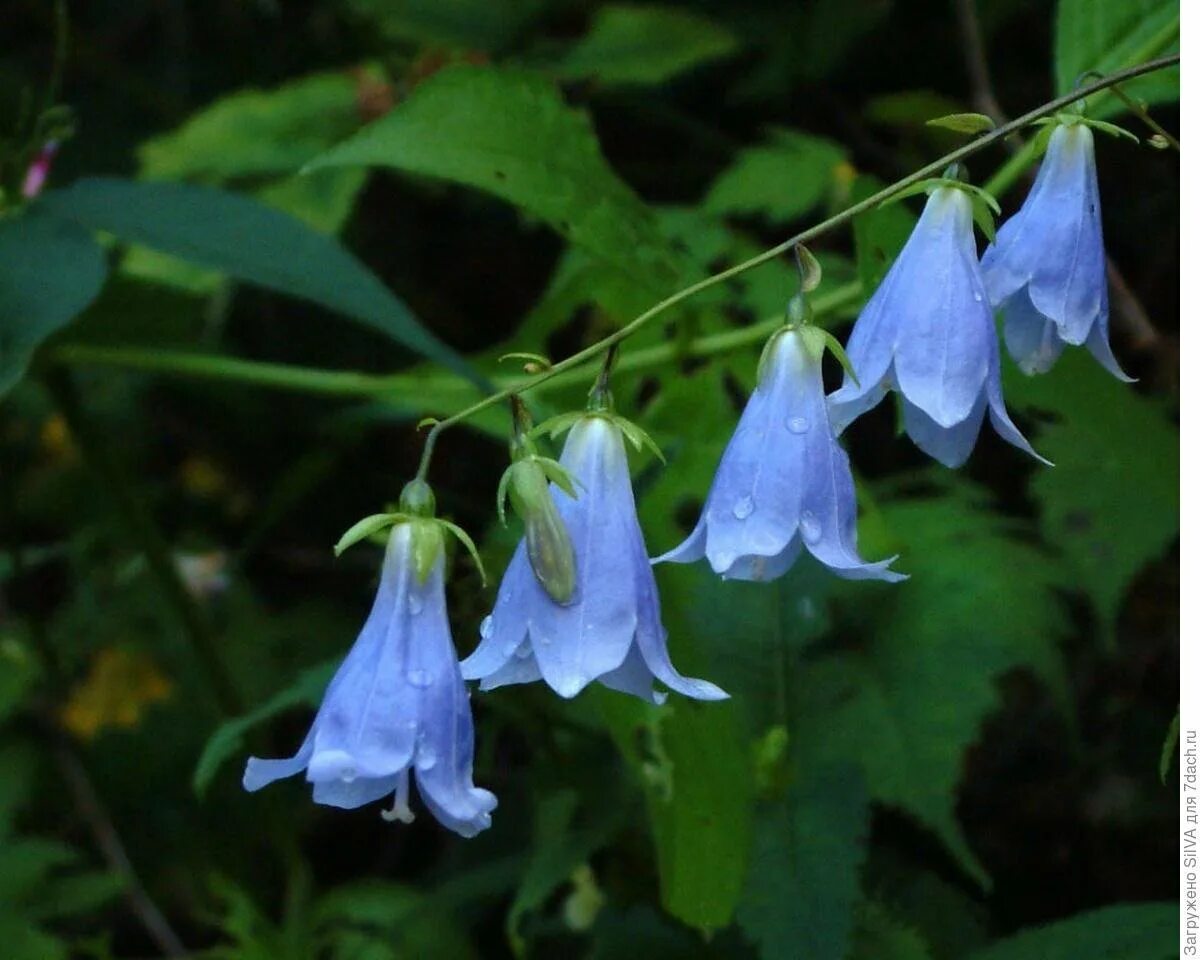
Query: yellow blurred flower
x=116, y=692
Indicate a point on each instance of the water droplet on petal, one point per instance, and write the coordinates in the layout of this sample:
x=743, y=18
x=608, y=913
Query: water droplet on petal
x=511, y=647
x=486, y=628
x=544, y=640
x=810, y=526
x=743, y=508
x=419, y=678
x=426, y=759
x=797, y=425
x=412, y=725
x=348, y=774
x=415, y=603
x=978, y=297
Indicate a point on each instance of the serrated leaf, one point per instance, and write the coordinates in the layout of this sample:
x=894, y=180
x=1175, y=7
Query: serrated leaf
x=782, y=179
x=1111, y=503
x=229, y=738
x=910, y=701
x=50, y=270
x=249, y=241
x=969, y=123
x=257, y=132
x=509, y=133
x=645, y=45
x=1108, y=35
x=1144, y=931
x=803, y=881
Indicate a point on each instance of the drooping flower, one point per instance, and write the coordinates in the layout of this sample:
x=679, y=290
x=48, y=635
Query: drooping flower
x=397, y=705
x=928, y=333
x=610, y=630
x=783, y=484
x=1046, y=270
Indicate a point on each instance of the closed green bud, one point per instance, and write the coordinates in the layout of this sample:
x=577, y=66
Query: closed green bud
x=551, y=553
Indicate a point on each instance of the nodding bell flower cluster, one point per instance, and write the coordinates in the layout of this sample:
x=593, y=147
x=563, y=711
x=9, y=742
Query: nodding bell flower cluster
x=578, y=603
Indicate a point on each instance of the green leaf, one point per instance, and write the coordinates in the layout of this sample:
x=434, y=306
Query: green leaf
x=230, y=737
x=509, y=133
x=698, y=777
x=1170, y=743
x=49, y=272
x=257, y=132
x=1108, y=35
x=782, y=179
x=803, y=880
x=1111, y=502
x=249, y=241
x=1144, y=931
x=969, y=123
x=909, y=699
x=648, y=44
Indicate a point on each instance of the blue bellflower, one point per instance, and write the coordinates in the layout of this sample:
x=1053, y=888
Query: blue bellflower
x=1046, y=270
x=398, y=704
x=928, y=333
x=783, y=484
x=611, y=629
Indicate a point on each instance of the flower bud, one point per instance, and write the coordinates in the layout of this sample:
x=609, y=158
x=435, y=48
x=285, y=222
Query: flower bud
x=549, y=546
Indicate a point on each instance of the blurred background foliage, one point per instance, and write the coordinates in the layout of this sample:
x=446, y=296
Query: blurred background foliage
x=214, y=364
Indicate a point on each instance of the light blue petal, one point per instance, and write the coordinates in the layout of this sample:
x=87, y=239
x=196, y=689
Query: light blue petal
x=849, y=402
x=590, y=636
x=634, y=677
x=946, y=319
x=690, y=550
x=872, y=345
x=652, y=639
x=506, y=628
x=261, y=772
x=950, y=446
x=522, y=667
x=1097, y=343
x=998, y=413
x=1032, y=340
x=754, y=507
x=1055, y=245
x=765, y=569
x=347, y=795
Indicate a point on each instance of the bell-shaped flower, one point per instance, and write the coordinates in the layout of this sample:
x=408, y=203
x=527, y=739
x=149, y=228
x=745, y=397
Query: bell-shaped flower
x=397, y=705
x=783, y=484
x=610, y=629
x=1046, y=270
x=928, y=333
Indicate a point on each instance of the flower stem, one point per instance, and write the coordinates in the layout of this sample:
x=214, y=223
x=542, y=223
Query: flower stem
x=804, y=237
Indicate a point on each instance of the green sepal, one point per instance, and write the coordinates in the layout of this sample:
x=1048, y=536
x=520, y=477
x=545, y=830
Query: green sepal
x=557, y=425
x=637, y=437
x=467, y=542
x=932, y=183
x=969, y=123
x=502, y=493
x=557, y=474
x=365, y=528
x=541, y=361
x=427, y=422
x=982, y=214
x=1112, y=129
x=816, y=340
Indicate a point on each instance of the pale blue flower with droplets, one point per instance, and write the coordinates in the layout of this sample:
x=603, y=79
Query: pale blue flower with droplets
x=928, y=333
x=783, y=485
x=611, y=629
x=396, y=707
x=1046, y=271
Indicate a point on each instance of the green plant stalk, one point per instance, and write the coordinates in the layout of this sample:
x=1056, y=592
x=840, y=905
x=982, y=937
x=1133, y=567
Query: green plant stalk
x=96, y=450
x=804, y=237
x=349, y=384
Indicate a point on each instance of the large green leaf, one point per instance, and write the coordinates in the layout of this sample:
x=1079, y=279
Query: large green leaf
x=1107, y=35
x=908, y=700
x=49, y=272
x=251, y=242
x=1144, y=931
x=257, y=132
x=878, y=935
x=1111, y=501
x=803, y=880
x=648, y=44
x=782, y=179
x=472, y=24
x=508, y=132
